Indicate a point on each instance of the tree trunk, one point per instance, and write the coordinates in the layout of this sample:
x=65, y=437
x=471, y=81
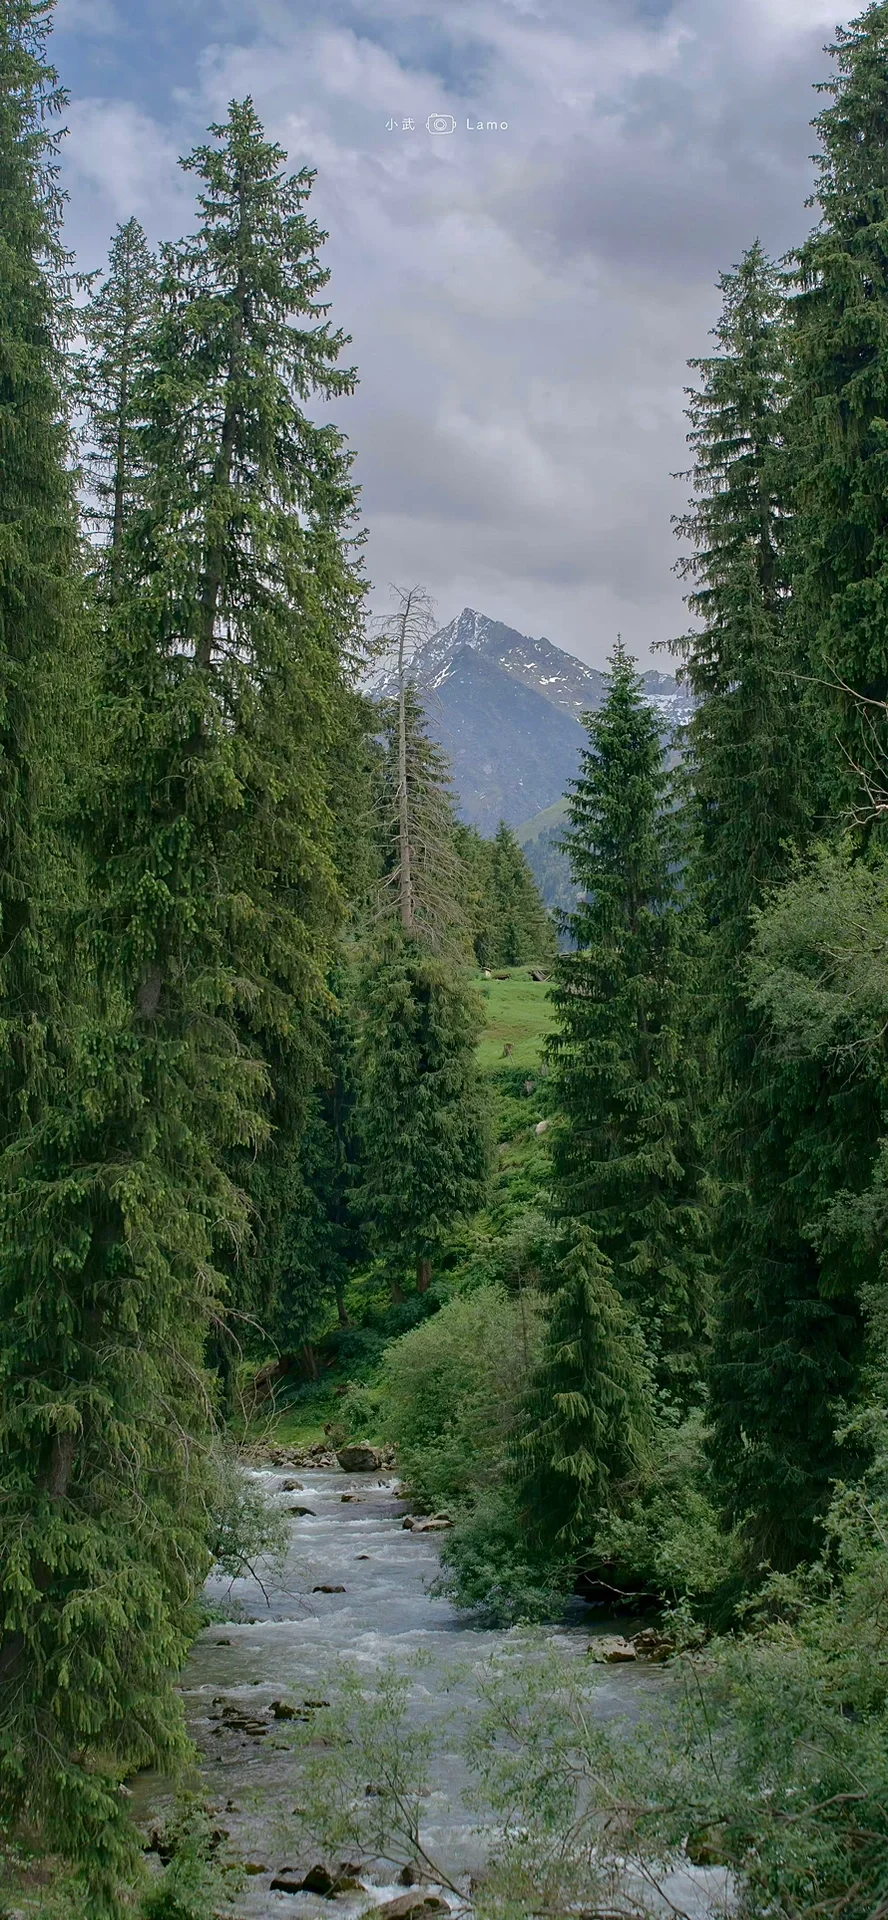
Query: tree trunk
x=310, y=1361
x=423, y=1275
x=341, y=1307
x=397, y=1293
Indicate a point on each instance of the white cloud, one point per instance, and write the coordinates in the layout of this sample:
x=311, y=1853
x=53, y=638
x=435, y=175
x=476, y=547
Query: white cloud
x=97, y=17
x=129, y=163
x=522, y=304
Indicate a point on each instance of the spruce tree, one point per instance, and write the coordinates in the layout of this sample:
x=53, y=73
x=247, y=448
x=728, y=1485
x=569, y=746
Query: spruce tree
x=787, y=1329
x=209, y=828
x=786, y=1335
x=516, y=925
x=626, y=1155
x=840, y=354
x=117, y=323
x=42, y=657
x=319, y=1240
x=748, y=759
x=588, y=1414
x=421, y=1113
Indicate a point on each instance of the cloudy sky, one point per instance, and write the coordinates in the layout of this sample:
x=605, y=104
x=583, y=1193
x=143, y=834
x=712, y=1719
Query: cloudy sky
x=522, y=301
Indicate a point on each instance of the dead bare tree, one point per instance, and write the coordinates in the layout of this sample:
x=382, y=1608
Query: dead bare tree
x=423, y=883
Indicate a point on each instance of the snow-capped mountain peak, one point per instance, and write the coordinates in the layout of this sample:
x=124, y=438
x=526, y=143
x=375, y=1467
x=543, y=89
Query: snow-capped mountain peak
x=506, y=708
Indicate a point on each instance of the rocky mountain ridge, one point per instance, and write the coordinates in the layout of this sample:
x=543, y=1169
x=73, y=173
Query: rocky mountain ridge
x=507, y=710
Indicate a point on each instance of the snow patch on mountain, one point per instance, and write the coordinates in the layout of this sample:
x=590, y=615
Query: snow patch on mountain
x=558, y=676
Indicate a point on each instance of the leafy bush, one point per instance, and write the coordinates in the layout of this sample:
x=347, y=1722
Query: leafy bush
x=360, y=1411
x=663, y=1538
x=195, y=1884
x=246, y=1529
x=451, y=1391
x=488, y=1571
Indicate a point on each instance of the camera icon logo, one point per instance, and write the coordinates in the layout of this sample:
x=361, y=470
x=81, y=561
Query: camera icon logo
x=441, y=123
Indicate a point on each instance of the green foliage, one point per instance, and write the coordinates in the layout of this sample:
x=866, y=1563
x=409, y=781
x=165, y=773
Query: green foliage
x=44, y=662
x=764, y=1754
x=750, y=771
x=769, y=1753
x=117, y=324
x=663, y=1537
x=840, y=401
x=213, y=900
x=490, y=1568
x=319, y=1238
x=195, y=1883
x=246, y=1529
x=421, y=1114
x=787, y=1332
x=790, y=1338
x=511, y=923
x=452, y=1390
x=627, y=1154
x=587, y=1420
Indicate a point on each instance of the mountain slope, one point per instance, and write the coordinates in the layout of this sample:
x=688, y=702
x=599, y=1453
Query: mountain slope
x=507, y=711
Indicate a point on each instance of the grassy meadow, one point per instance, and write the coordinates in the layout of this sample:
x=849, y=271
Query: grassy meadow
x=518, y=1016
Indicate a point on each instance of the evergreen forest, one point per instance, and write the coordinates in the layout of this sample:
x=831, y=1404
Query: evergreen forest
x=318, y=1130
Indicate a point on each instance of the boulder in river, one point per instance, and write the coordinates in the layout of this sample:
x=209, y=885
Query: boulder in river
x=326, y=1589
x=285, y=1710
x=612, y=1648
x=426, y=1523
x=319, y=1879
x=306, y=1510
x=292, y=1486
x=651, y=1645
x=418, y=1902
x=411, y=1875
x=359, y=1458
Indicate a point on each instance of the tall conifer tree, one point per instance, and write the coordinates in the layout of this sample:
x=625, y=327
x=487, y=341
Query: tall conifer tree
x=514, y=923
x=210, y=832
x=749, y=765
x=41, y=668
x=588, y=1414
x=789, y=1332
x=118, y=323
x=626, y=1159
x=840, y=351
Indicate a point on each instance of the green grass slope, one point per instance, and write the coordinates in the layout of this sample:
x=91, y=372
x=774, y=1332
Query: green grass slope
x=554, y=816
x=518, y=1015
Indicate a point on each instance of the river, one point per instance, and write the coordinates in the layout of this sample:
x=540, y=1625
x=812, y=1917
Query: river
x=283, y=1643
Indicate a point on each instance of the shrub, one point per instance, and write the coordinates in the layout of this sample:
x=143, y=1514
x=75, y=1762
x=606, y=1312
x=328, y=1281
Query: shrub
x=663, y=1537
x=246, y=1529
x=452, y=1389
x=196, y=1884
x=488, y=1570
